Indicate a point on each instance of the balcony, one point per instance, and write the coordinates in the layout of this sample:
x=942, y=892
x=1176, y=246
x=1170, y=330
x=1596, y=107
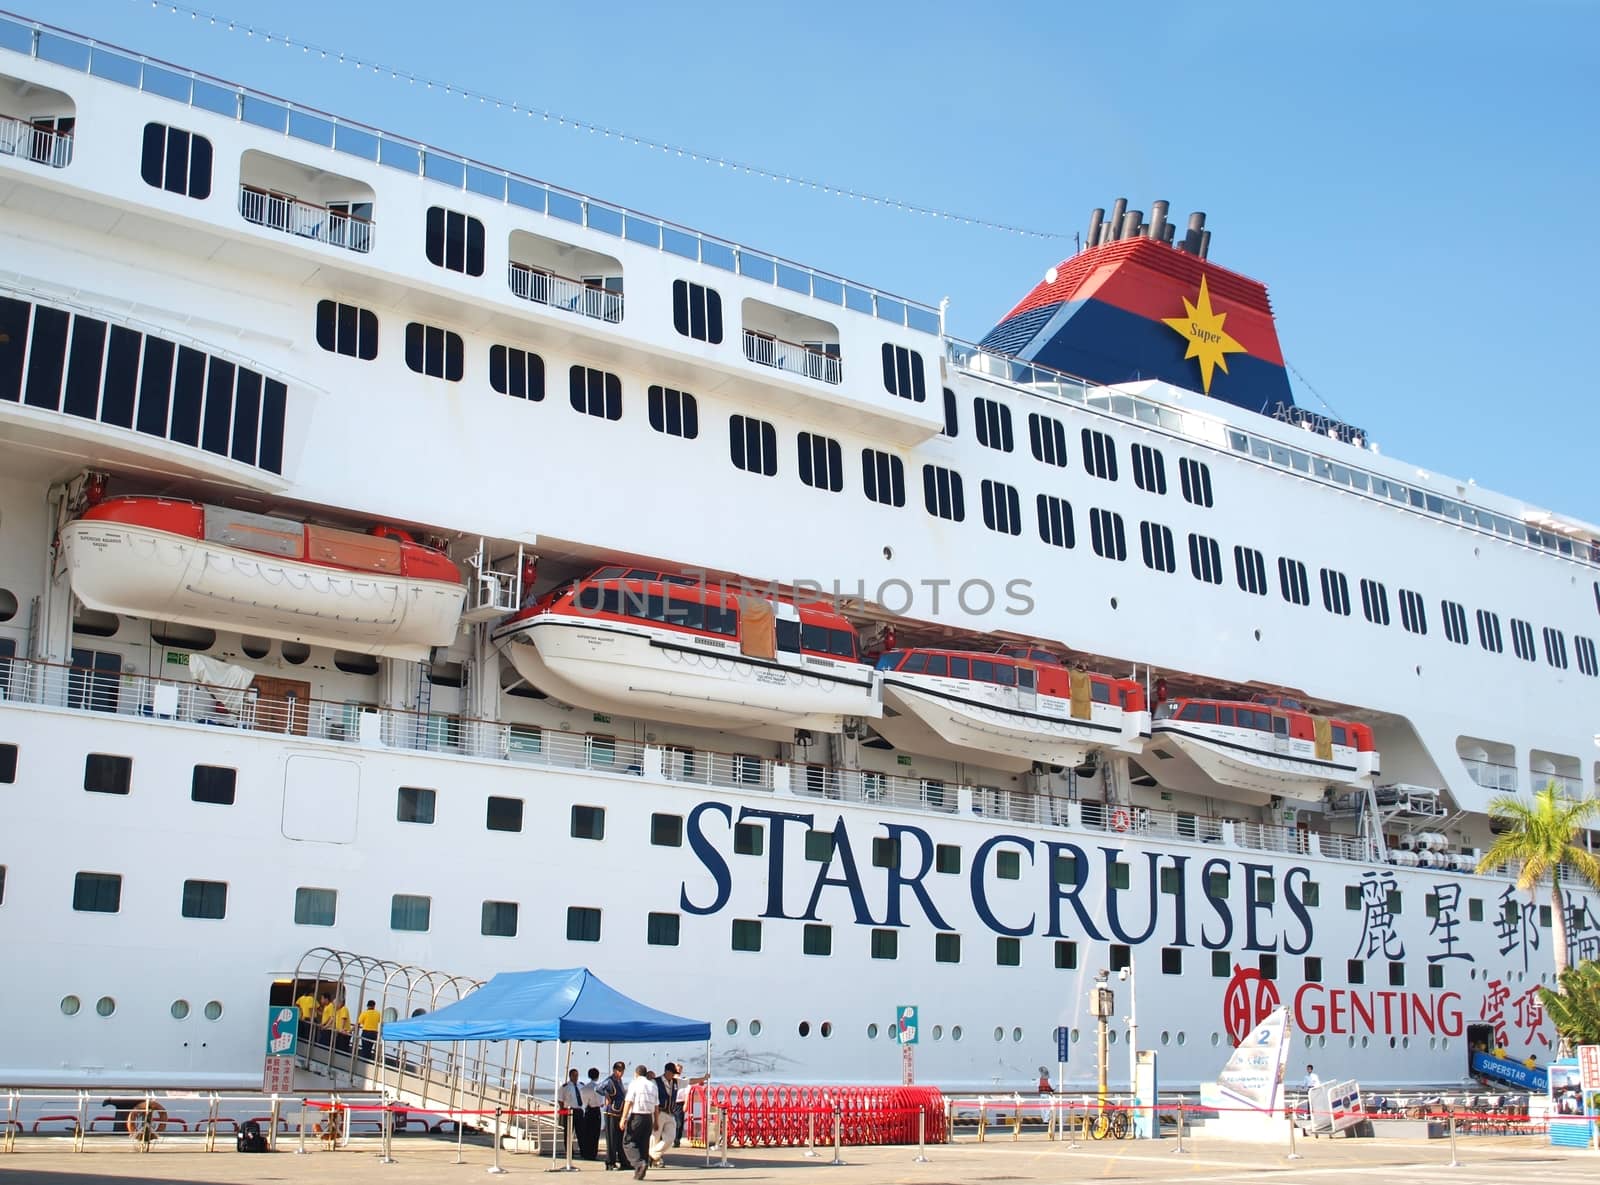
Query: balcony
x=1491, y=775
x=326, y=224
x=587, y=298
x=31, y=141
x=810, y=359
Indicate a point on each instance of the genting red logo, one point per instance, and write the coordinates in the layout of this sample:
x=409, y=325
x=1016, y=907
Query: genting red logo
x=1248, y=1000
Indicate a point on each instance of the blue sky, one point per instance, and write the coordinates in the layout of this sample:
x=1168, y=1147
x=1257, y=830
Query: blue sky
x=1415, y=183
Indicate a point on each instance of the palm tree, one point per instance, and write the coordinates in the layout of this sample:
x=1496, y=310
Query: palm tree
x=1541, y=836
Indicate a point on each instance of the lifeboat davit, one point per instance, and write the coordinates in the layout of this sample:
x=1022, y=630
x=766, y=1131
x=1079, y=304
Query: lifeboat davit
x=1006, y=710
x=640, y=642
x=257, y=574
x=1266, y=746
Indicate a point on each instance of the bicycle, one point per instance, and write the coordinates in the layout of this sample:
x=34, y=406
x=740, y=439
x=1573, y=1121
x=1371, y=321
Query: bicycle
x=1110, y=1123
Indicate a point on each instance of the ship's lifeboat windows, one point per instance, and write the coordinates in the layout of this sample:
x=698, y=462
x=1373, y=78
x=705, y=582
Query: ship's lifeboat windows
x=938, y=664
x=1280, y=726
x=789, y=639
x=814, y=638
x=916, y=664
x=1336, y=732
x=959, y=668
x=1005, y=674
x=721, y=620
x=607, y=574
x=886, y=662
x=655, y=607
x=841, y=643
x=1025, y=677
x=1225, y=716
x=1100, y=693
x=588, y=599
x=643, y=574
x=1045, y=656
x=1200, y=713
x=687, y=613
x=674, y=578
x=983, y=670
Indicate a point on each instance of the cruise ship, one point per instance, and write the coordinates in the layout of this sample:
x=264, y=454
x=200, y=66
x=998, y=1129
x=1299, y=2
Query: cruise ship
x=405, y=557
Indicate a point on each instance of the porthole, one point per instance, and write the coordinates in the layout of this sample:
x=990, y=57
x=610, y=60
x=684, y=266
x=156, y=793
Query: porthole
x=1113, y=602
x=1016, y=1035
x=8, y=604
x=105, y=1005
x=1308, y=1040
x=1075, y=1036
x=70, y=1005
x=1111, y=1037
x=1183, y=1037
x=95, y=624
x=1166, y=1037
x=1350, y=1042
x=1322, y=1041
x=955, y=1033
x=1444, y=1042
x=1258, y=635
x=826, y=1029
x=180, y=1009
x=255, y=647
x=872, y=1032
x=755, y=1028
x=1215, y=1038
x=805, y=1028
x=1405, y=1042
x=213, y=1009
x=733, y=1028
x=999, y=1034
x=938, y=1032
x=295, y=653
x=888, y=553
x=1391, y=1043
x=1419, y=670
x=1363, y=1042
x=1433, y=1043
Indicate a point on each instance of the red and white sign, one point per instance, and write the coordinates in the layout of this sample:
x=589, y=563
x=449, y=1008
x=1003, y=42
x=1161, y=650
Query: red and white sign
x=1589, y=1067
x=277, y=1076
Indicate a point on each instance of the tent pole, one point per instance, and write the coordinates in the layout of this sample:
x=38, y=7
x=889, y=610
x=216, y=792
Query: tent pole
x=516, y=1075
x=564, y=1067
x=707, y=1097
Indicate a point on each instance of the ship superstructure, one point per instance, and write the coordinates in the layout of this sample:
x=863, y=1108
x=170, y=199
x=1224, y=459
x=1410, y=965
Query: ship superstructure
x=403, y=555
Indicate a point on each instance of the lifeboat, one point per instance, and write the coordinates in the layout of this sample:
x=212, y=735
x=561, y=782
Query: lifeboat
x=641, y=642
x=226, y=569
x=1266, y=746
x=1006, y=710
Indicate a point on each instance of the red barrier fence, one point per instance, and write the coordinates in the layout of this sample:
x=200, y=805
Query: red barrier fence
x=786, y=1116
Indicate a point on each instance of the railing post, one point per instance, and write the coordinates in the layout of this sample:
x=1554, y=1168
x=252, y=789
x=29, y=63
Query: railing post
x=1454, y=1161
x=1180, y=1149
x=922, y=1137
x=272, y=1134
x=301, y=1150
x=838, y=1132
x=811, y=1135
x=495, y=1167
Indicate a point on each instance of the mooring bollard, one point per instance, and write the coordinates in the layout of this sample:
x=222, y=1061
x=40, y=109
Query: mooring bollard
x=922, y=1137
x=1180, y=1149
x=811, y=1134
x=498, y=1135
x=1451, y=1114
x=838, y=1131
x=301, y=1151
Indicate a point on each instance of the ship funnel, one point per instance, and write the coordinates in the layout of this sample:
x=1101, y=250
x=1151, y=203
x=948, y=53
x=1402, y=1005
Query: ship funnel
x=1097, y=220
x=1158, y=221
x=1131, y=221
x=1191, y=237
x=1205, y=243
x=1114, y=229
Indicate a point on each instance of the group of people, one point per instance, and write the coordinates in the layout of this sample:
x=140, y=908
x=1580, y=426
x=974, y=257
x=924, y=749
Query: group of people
x=643, y=1117
x=327, y=1018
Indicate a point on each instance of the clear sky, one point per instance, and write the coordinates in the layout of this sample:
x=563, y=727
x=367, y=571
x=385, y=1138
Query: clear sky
x=1414, y=181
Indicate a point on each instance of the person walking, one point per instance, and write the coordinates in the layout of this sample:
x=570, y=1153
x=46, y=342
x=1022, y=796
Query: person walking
x=666, y=1132
x=639, y=1109
x=613, y=1091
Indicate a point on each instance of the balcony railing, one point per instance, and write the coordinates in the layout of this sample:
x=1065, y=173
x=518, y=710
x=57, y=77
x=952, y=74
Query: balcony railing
x=281, y=211
x=20, y=138
x=790, y=356
x=1492, y=775
x=559, y=292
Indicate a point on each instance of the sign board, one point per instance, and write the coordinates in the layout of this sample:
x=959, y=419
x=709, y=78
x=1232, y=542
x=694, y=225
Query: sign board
x=177, y=658
x=277, y=1076
x=1335, y=1106
x=1589, y=1067
x=1254, y=1074
x=1063, y=1043
x=905, y=1020
x=283, y=1030
x=908, y=1066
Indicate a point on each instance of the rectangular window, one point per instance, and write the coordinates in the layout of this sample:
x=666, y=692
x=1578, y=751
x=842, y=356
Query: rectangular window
x=886, y=944
x=454, y=241
x=947, y=858
x=97, y=892
x=666, y=831
x=1268, y=966
x=315, y=907
x=84, y=367
x=883, y=477
x=1555, y=648
x=1171, y=958
x=1489, y=636
x=1313, y=969
x=1047, y=437
x=1436, y=977
x=176, y=161
x=941, y=493
x=1352, y=897
x=674, y=412
x=1105, y=533
x=885, y=852
x=748, y=839
x=205, y=899
x=819, y=845
x=1397, y=975
x=1221, y=964
x=211, y=783
x=1121, y=956
x=1118, y=875
x=746, y=934
x=1155, y=543
x=1170, y=881
x=499, y=919
x=1066, y=955
x=817, y=940
x=1374, y=602
x=1335, y=592
x=414, y=804
x=583, y=924
x=410, y=912
x=1455, y=621
x=1008, y=952
x=104, y=773
x=1205, y=559
x=1217, y=885
x=435, y=352
x=697, y=311
x=1055, y=521
x=1195, y=477
x=1475, y=909
x=661, y=929
x=991, y=421
x=505, y=814
x=1099, y=454
x=1250, y=570
x=588, y=822
x=1149, y=469
x=902, y=373
x=1311, y=894
x=821, y=462
x=518, y=373
x=1522, y=640
x=947, y=948
x=1292, y=583
x=753, y=445
x=1008, y=865
x=1584, y=648
x=952, y=426
x=1355, y=971
x=1413, y=614
x=348, y=330
x=1001, y=509
x=594, y=392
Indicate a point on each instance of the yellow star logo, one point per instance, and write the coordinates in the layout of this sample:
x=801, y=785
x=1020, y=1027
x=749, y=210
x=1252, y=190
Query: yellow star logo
x=1207, y=341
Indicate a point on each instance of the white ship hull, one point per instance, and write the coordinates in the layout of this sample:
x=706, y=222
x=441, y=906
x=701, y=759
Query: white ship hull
x=1000, y=726
x=685, y=679
x=143, y=572
x=1183, y=757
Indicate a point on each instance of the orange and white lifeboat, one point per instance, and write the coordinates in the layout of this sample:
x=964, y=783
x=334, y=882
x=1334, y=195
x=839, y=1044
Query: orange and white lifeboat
x=1267, y=746
x=1006, y=710
x=641, y=642
x=377, y=593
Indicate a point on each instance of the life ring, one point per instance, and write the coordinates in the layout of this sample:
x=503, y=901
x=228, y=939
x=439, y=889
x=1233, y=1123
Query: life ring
x=1119, y=820
x=157, y=1122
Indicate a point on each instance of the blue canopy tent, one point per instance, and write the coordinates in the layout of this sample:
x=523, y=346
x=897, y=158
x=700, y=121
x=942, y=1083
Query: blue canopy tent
x=564, y=1006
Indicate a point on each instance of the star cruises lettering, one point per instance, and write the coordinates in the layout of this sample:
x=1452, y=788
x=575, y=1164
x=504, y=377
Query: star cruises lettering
x=1070, y=890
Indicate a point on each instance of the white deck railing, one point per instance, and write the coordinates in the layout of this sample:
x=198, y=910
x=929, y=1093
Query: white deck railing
x=791, y=356
x=20, y=138
x=1492, y=775
x=561, y=292
x=280, y=211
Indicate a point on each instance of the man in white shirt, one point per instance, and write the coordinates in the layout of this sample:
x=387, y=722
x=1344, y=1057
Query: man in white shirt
x=639, y=1119
x=572, y=1104
x=1312, y=1081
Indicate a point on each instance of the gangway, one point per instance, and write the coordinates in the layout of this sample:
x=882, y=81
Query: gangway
x=492, y=1086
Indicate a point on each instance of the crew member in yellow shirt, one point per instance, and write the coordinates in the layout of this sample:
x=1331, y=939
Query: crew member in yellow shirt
x=307, y=1004
x=336, y=1017
x=369, y=1022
